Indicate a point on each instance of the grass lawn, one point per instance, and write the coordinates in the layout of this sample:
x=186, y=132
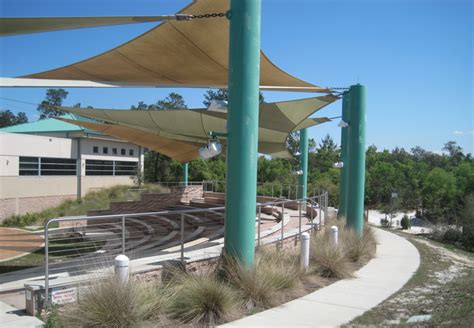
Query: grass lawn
x=96, y=200
x=442, y=287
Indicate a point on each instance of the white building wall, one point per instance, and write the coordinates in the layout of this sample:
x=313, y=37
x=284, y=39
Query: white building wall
x=22, y=194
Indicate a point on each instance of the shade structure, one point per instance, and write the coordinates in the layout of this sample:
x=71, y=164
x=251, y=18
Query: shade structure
x=175, y=54
x=15, y=26
x=180, y=133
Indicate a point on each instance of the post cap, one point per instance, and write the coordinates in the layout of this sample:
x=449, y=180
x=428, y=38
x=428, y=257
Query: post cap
x=334, y=228
x=121, y=260
x=305, y=236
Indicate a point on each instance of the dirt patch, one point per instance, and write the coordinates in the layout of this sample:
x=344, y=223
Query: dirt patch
x=441, y=288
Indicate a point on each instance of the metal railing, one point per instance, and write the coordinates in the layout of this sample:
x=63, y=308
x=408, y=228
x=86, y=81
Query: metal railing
x=87, y=244
x=271, y=189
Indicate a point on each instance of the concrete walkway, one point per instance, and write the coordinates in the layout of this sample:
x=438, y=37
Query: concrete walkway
x=13, y=318
x=395, y=262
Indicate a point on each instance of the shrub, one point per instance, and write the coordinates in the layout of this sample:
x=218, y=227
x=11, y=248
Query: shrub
x=385, y=223
x=108, y=303
x=253, y=286
x=202, y=298
x=272, y=273
x=357, y=247
x=405, y=222
x=326, y=260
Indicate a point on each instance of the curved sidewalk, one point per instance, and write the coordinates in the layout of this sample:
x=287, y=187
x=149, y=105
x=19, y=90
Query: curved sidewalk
x=395, y=262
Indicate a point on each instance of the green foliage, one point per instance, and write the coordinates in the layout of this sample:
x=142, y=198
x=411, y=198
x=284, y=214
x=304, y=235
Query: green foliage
x=7, y=118
x=405, y=222
x=53, y=319
x=54, y=97
x=434, y=185
x=96, y=200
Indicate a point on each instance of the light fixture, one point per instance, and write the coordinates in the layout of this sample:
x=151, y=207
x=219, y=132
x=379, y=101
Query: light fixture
x=299, y=172
x=212, y=149
x=343, y=124
x=297, y=153
x=339, y=165
x=218, y=106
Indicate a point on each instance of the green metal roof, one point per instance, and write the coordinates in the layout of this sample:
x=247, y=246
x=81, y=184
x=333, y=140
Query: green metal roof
x=50, y=125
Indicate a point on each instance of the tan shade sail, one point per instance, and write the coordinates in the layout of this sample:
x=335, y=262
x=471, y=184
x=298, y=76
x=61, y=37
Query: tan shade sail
x=166, y=131
x=15, y=26
x=176, y=54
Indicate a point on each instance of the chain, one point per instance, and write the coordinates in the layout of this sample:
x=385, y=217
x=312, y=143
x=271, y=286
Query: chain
x=213, y=15
x=182, y=17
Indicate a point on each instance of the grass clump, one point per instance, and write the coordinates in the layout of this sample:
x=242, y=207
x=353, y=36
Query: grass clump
x=263, y=285
x=201, y=298
x=327, y=260
x=359, y=248
x=108, y=303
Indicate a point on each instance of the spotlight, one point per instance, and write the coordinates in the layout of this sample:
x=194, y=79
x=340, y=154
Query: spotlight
x=218, y=106
x=343, y=124
x=212, y=149
x=299, y=172
x=297, y=153
x=339, y=165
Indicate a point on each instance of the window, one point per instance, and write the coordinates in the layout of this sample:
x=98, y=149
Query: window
x=97, y=167
x=95, y=149
x=94, y=167
x=126, y=168
x=130, y=152
x=122, y=151
x=105, y=150
x=58, y=166
x=29, y=166
x=114, y=151
x=47, y=166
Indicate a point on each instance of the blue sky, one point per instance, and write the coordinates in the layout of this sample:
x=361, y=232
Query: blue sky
x=414, y=56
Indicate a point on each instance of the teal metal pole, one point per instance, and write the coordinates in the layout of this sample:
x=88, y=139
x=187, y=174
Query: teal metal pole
x=343, y=192
x=356, y=141
x=242, y=138
x=303, y=178
x=185, y=173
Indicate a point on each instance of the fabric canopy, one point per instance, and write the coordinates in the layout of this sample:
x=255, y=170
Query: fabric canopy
x=15, y=26
x=176, y=54
x=180, y=133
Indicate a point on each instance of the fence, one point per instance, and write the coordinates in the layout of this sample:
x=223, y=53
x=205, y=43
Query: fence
x=86, y=244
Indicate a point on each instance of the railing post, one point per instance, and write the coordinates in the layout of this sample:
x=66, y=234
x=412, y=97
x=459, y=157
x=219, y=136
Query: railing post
x=282, y=223
x=259, y=222
x=46, y=263
x=182, y=239
x=123, y=235
x=300, y=205
x=320, y=201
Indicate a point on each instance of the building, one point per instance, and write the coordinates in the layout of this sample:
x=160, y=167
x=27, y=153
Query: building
x=46, y=162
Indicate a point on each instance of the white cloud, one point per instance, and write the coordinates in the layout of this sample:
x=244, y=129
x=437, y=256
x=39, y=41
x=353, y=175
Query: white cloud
x=463, y=133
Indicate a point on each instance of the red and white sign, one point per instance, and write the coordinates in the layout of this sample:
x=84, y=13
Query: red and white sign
x=64, y=296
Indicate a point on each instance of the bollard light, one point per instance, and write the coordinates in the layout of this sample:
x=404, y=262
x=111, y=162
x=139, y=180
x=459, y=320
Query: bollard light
x=121, y=263
x=304, y=251
x=334, y=236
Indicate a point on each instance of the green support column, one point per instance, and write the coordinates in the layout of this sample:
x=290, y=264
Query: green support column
x=303, y=178
x=344, y=159
x=356, y=141
x=242, y=138
x=185, y=174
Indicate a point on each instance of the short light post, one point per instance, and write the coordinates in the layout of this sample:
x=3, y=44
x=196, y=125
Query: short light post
x=121, y=263
x=304, y=251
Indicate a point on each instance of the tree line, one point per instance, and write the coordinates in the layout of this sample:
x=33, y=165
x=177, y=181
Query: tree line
x=438, y=186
